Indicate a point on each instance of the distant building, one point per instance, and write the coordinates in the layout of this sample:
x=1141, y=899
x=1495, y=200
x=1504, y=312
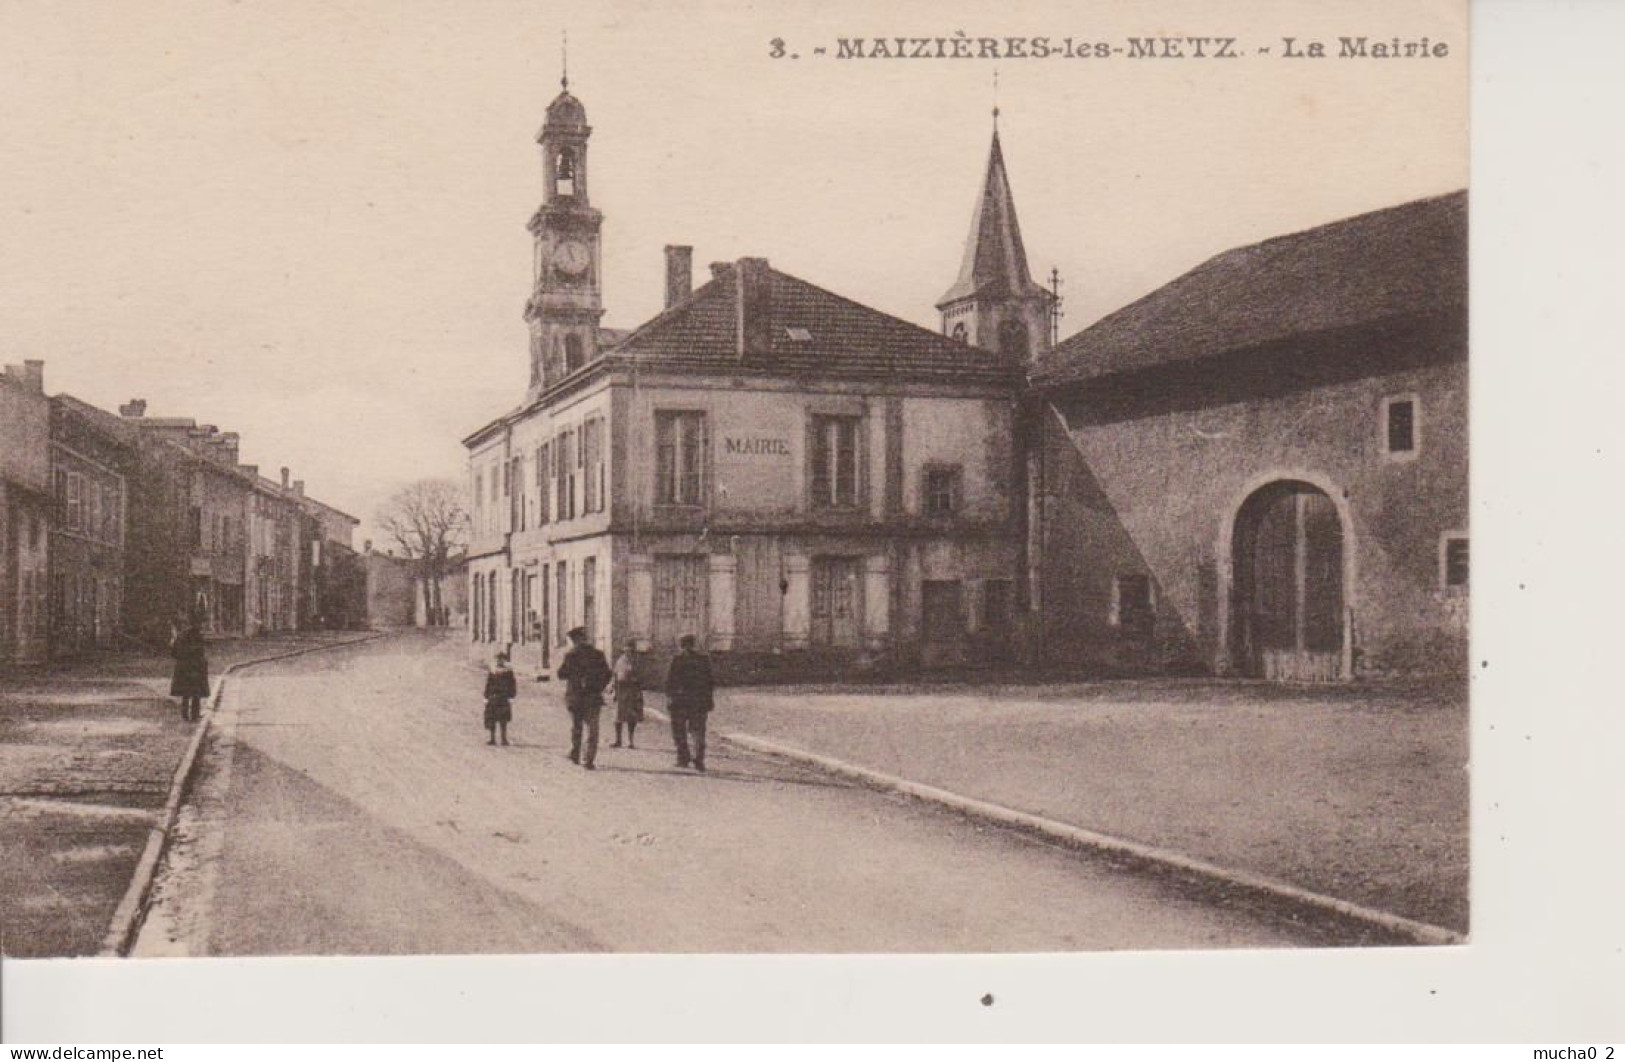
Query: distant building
x=1261, y=468
x=89, y=464
x=397, y=595
x=331, y=582
x=272, y=583
x=391, y=583
x=189, y=527
x=25, y=514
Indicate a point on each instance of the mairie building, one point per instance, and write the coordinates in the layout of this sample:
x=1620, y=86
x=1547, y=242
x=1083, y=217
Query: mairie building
x=804, y=483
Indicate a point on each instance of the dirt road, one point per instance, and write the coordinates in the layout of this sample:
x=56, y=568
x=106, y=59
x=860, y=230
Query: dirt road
x=348, y=804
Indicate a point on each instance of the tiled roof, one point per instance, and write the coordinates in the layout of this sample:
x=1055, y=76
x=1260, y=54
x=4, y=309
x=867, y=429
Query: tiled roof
x=1407, y=259
x=808, y=332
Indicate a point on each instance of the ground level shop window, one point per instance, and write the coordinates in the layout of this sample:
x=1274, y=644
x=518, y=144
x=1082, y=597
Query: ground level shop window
x=679, y=597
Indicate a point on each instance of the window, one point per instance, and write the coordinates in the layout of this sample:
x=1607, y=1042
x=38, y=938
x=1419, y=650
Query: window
x=561, y=597
x=1399, y=426
x=564, y=457
x=1013, y=339
x=941, y=490
x=589, y=595
x=960, y=334
x=592, y=460
x=197, y=527
x=835, y=462
x=573, y=357
x=76, y=503
x=543, y=488
x=1132, y=607
x=680, y=458
x=1455, y=561
x=516, y=505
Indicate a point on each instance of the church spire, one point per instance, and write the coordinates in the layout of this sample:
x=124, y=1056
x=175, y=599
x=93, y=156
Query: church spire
x=995, y=262
x=994, y=302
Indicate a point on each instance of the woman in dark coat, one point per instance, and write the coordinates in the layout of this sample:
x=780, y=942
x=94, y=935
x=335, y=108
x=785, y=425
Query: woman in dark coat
x=500, y=690
x=628, y=696
x=190, y=681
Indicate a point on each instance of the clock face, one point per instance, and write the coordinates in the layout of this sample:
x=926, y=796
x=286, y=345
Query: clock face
x=572, y=258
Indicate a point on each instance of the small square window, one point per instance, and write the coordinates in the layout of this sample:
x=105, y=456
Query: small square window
x=941, y=491
x=1455, y=562
x=1400, y=426
x=1132, y=607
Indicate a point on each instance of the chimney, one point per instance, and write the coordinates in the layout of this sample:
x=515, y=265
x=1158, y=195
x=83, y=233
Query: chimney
x=134, y=408
x=366, y=547
x=679, y=273
x=229, y=441
x=284, y=477
x=755, y=304
x=721, y=269
x=299, y=487
x=34, y=375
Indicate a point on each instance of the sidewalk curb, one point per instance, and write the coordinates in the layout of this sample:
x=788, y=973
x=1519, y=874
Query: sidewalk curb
x=127, y=917
x=1079, y=838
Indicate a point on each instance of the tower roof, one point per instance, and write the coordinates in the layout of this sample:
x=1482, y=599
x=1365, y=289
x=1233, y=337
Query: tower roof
x=995, y=262
x=565, y=112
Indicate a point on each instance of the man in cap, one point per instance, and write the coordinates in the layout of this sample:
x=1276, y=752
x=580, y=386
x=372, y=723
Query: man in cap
x=586, y=674
x=689, y=701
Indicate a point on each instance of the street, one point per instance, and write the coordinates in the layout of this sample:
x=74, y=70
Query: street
x=347, y=803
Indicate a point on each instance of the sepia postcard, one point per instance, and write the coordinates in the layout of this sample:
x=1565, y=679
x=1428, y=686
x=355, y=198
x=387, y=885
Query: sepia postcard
x=520, y=479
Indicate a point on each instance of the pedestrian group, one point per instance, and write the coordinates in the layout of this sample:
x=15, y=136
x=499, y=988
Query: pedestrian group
x=587, y=676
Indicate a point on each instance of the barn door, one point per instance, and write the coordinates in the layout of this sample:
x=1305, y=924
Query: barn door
x=1288, y=602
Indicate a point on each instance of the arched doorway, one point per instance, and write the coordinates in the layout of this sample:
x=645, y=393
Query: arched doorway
x=1287, y=604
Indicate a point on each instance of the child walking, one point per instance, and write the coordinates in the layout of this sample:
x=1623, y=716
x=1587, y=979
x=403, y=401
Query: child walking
x=500, y=690
x=628, y=696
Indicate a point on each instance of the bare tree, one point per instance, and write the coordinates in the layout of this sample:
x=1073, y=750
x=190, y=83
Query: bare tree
x=429, y=523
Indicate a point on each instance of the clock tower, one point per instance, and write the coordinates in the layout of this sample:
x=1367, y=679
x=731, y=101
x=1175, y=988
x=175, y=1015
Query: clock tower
x=565, y=303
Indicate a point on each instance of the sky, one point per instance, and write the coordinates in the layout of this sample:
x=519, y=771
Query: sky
x=305, y=221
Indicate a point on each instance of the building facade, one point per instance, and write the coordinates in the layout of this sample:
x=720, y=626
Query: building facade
x=25, y=514
x=89, y=465
x=1258, y=470
x=1261, y=468
x=331, y=584
x=803, y=483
